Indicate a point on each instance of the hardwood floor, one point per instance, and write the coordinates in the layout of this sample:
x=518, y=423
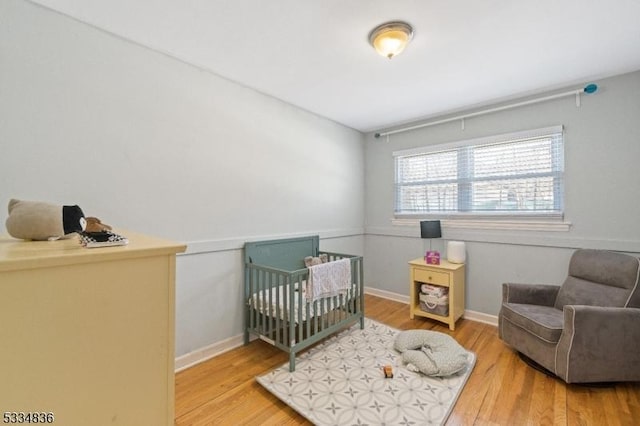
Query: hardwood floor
x=502, y=389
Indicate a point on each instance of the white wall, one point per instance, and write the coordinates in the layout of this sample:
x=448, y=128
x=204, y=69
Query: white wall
x=148, y=143
x=602, y=148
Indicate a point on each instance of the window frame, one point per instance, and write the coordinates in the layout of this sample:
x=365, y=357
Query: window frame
x=518, y=220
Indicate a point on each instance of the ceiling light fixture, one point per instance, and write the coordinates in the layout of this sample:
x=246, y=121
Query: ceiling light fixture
x=390, y=38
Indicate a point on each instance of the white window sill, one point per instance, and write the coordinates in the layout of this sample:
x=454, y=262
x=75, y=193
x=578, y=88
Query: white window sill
x=493, y=224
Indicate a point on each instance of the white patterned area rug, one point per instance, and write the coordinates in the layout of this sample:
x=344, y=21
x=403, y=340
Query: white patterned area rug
x=340, y=382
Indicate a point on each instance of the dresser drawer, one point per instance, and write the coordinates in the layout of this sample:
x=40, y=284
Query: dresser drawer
x=433, y=277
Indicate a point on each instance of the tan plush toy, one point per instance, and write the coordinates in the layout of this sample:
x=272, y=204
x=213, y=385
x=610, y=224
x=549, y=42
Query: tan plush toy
x=95, y=225
x=34, y=220
x=312, y=261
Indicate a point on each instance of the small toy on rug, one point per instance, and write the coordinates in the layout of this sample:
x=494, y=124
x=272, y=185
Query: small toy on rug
x=388, y=372
x=35, y=220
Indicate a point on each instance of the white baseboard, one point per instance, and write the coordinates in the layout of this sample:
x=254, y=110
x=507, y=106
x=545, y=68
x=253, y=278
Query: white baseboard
x=200, y=355
x=481, y=317
x=387, y=295
x=470, y=315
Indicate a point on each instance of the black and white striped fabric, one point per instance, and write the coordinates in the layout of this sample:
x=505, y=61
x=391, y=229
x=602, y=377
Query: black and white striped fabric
x=102, y=239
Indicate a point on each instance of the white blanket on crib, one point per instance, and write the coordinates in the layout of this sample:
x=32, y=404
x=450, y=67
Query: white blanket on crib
x=328, y=279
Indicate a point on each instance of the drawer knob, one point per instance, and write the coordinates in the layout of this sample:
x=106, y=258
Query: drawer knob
x=430, y=277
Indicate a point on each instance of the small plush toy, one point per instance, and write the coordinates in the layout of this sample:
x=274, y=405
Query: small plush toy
x=312, y=261
x=34, y=220
x=388, y=372
x=95, y=225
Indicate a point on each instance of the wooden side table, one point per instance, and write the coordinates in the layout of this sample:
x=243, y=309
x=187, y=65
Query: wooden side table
x=446, y=274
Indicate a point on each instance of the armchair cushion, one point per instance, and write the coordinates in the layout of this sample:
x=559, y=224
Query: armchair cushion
x=535, y=294
x=545, y=322
x=577, y=291
x=608, y=268
x=599, y=278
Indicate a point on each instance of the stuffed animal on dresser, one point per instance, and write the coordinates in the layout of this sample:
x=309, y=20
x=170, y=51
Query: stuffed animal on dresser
x=35, y=220
x=95, y=225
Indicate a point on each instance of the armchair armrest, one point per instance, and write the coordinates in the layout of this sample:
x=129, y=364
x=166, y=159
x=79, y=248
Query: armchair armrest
x=533, y=294
x=599, y=344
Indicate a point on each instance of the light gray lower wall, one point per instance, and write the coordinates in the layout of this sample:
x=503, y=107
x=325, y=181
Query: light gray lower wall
x=151, y=144
x=602, y=152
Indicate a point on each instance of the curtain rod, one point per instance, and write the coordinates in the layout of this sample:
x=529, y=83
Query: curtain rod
x=589, y=88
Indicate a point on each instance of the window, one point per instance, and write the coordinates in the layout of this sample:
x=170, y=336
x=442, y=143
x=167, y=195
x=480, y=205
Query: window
x=506, y=175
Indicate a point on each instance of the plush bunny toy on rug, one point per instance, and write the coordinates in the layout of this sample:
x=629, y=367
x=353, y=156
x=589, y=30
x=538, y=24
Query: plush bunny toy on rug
x=34, y=220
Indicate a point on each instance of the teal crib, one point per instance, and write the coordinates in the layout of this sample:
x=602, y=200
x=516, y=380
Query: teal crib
x=275, y=308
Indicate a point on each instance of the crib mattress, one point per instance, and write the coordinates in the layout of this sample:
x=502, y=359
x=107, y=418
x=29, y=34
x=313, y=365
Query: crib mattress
x=266, y=302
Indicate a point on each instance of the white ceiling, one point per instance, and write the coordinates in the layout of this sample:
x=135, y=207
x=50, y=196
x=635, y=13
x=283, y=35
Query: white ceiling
x=314, y=53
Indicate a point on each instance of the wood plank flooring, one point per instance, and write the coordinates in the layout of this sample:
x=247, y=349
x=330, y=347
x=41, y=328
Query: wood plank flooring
x=502, y=390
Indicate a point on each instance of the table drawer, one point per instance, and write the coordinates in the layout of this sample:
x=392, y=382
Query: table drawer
x=433, y=277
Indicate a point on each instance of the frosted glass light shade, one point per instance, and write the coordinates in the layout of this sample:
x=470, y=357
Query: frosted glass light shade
x=391, y=38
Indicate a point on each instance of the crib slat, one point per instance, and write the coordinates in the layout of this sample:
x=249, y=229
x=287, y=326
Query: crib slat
x=301, y=309
x=256, y=304
x=251, y=308
x=271, y=307
x=263, y=299
x=287, y=311
x=290, y=311
x=360, y=308
x=277, y=307
x=327, y=304
x=315, y=317
x=256, y=312
x=308, y=316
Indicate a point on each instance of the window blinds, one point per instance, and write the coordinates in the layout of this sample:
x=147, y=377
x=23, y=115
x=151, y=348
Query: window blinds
x=506, y=174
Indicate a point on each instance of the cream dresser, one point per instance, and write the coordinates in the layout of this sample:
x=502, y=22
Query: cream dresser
x=87, y=335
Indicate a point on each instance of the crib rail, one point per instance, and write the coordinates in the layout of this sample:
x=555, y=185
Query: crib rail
x=278, y=312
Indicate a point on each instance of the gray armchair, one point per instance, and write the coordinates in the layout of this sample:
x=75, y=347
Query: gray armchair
x=587, y=330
